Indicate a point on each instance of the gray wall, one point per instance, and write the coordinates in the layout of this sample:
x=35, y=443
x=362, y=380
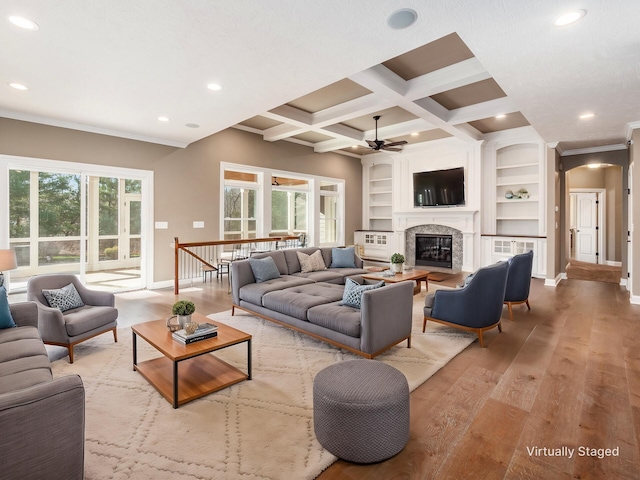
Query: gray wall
x=187, y=181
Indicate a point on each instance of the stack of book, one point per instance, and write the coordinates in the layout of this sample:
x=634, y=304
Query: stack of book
x=203, y=332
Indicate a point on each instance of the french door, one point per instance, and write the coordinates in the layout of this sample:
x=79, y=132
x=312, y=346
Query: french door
x=85, y=223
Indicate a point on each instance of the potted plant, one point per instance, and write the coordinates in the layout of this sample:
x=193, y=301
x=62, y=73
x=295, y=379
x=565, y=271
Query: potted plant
x=523, y=193
x=183, y=309
x=397, y=262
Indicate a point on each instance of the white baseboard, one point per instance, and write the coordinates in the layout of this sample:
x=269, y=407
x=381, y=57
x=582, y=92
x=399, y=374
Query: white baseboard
x=623, y=282
x=612, y=263
x=553, y=282
x=634, y=299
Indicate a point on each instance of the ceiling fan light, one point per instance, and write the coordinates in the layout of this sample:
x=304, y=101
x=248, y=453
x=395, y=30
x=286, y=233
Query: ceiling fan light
x=18, y=86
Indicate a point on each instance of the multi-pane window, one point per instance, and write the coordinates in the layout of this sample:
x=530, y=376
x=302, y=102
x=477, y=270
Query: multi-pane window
x=239, y=213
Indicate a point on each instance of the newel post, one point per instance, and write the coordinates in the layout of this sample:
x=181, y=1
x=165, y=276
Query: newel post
x=176, y=245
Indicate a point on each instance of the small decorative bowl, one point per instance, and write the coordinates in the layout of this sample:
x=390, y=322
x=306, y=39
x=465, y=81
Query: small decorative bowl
x=190, y=328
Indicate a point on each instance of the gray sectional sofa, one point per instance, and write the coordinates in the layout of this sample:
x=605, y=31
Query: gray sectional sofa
x=312, y=302
x=42, y=418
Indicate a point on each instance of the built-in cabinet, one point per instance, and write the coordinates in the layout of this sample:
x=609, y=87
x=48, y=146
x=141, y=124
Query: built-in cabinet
x=514, y=198
x=374, y=245
x=378, y=192
x=497, y=248
x=518, y=184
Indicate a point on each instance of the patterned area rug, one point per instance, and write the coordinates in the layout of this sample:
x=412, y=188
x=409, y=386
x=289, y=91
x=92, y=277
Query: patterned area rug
x=260, y=429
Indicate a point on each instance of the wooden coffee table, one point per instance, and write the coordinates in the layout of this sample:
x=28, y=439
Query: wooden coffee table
x=415, y=275
x=200, y=374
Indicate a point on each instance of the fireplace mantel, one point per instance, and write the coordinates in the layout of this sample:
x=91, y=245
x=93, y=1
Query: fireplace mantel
x=459, y=218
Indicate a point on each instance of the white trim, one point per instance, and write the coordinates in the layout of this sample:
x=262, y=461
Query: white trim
x=603, y=148
x=613, y=263
x=90, y=129
x=634, y=299
x=623, y=282
x=553, y=282
x=601, y=198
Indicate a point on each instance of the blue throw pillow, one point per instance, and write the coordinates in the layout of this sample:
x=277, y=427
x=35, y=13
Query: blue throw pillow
x=6, y=320
x=343, y=258
x=264, y=269
x=353, y=291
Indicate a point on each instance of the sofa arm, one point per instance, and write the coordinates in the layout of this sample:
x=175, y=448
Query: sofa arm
x=241, y=275
x=95, y=297
x=43, y=431
x=386, y=316
x=25, y=314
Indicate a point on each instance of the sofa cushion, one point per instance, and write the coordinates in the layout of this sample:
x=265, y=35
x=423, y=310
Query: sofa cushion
x=323, y=276
x=23, y=359
x=295, y=301
x=343, y=258
x=65, y=298
x=6, y=320
x=337, y=317
x=89, y=317
x=264, y=269
x=253, y=292
x=311, y=263
x=353, y=292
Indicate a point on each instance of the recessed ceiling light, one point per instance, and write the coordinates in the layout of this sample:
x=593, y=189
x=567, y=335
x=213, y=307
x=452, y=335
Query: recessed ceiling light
x=354, y=146
x=214, y=86
x=18, y=86
x=23, y=22
x=403, y=18
x=415, y=134
x=569, y=18
x=500, y=115
x=192, y=125
x=585, y=116
x=594, y=165
x=163, y=119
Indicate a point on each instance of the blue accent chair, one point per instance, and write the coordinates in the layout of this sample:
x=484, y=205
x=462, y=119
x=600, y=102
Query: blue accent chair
x=518, y=281
x=476, y=307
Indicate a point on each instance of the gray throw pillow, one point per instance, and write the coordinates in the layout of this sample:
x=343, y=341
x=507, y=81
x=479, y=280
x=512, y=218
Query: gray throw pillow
x=353, y=291
x=264, y=269
x=65, y=298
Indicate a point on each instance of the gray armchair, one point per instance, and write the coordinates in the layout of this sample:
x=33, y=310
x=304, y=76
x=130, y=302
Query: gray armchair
x=476, y=307
x=67, y=329
x=518, y=281
x=42, y=417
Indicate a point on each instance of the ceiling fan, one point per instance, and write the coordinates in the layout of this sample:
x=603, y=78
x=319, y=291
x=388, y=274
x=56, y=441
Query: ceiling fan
x=381, y=145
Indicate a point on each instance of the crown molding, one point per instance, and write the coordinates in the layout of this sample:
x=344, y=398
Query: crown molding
x=600, y=149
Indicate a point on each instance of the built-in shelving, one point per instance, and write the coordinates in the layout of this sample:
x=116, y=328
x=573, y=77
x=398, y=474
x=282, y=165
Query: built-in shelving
x=378, y=211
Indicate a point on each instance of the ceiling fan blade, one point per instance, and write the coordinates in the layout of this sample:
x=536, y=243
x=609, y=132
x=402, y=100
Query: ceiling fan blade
x=394, y=144
x=391, y=149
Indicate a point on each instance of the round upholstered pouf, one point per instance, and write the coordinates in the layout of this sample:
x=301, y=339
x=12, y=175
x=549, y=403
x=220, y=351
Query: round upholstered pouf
x=361, y=410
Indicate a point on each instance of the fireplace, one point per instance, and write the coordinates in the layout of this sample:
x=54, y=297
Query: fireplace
x=434, y=250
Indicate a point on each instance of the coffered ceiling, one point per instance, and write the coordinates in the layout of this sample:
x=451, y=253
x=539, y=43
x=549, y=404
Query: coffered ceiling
x=317, y=72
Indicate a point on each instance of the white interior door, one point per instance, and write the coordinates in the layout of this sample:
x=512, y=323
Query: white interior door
x=630, y=230
x=586, y=241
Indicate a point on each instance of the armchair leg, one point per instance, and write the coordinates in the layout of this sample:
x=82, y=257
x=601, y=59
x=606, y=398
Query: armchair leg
x=527, y=302
x=480, y=338
x=510, y=310
x=70, y=349
x=115, y=335
x=424, y=324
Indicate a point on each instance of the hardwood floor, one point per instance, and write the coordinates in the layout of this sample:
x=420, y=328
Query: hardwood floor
x=565, y=374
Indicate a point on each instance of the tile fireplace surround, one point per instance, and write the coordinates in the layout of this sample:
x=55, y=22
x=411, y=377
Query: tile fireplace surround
x=461, y=224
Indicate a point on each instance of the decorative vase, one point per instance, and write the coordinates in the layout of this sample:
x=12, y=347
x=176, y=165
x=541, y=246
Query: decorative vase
x=182, y=319
x=397, y=267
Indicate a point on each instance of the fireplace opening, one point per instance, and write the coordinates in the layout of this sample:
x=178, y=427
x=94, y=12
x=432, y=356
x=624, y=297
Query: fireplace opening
x=434, y=250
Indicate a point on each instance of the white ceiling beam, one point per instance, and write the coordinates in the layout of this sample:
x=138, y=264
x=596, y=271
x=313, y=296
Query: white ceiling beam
x=280, y=132
x=351, y=109
x=342, y=131
x=291, y=115
x=387, y=84
x=447, y=78
x=482, y=110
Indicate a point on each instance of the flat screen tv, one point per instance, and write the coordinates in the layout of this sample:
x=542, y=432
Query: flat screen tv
x=439, y=188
